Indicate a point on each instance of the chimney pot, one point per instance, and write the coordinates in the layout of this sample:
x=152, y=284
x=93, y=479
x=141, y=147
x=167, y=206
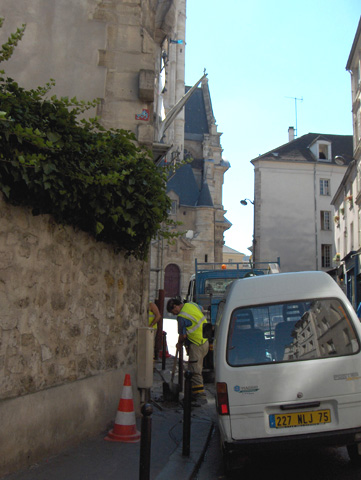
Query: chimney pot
x=291, y=134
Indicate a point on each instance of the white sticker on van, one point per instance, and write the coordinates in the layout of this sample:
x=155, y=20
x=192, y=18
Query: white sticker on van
x=347, y=376
x=248, y=390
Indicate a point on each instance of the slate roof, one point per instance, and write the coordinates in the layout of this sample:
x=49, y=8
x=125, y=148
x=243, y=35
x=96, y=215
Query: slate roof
x=196, y=124
x=183, y=182
x=298, y=150
x=205, y=199
x=184, y=185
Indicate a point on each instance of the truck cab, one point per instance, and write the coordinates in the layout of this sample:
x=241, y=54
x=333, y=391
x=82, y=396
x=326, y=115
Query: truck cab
x=208, y=285
x=210, y=281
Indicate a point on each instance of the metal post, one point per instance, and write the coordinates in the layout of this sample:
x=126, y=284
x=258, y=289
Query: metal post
x=158, y=337
x=164, y=350
x=187, y=414
x=145, y=442
x=180, y=370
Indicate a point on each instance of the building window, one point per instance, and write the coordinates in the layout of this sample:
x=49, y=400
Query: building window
x=325, y=220
x=324, y=186
x=326, y=324
x=324, y=151
x=351, y=236
x=331, y=347
x=326, y=255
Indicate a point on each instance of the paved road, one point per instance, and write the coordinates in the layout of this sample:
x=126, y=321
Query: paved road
x=317, y=464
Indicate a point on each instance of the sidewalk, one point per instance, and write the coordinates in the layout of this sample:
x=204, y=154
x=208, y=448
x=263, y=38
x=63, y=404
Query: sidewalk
x=97, y=459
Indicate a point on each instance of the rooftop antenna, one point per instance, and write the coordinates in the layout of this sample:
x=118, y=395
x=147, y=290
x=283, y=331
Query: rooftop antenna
x=300, y=100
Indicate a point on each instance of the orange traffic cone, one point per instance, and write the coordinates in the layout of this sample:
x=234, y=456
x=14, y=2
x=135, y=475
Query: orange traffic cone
x=124, y=429
x=167, y=354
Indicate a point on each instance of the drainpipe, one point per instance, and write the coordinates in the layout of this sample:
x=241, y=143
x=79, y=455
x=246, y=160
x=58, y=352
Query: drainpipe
x=315, y=212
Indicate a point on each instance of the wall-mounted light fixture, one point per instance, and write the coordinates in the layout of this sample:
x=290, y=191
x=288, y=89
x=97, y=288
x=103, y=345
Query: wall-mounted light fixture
x=244, y=202
x=343, y=159
x=340, y=160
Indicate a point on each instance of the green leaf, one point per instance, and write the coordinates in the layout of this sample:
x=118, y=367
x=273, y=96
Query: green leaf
x=6, y=190
x=53, y=136
x=99, y=228
x=48, y=168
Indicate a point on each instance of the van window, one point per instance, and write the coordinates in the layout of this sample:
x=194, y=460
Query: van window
x=289, y=332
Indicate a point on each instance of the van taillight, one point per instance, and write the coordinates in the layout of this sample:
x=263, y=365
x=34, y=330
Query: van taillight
x=222, y=399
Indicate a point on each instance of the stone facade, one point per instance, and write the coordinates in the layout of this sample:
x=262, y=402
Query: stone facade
x=70, y=309
x=105, y=49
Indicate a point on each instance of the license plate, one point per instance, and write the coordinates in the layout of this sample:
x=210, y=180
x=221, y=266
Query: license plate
x=286, y=420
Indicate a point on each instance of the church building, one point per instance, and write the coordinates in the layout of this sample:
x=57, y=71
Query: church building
x=195, y=189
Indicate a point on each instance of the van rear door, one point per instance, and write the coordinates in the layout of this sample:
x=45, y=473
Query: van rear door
x=292, y=368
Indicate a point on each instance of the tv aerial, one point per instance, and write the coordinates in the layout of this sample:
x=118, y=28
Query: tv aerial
x=296, y=100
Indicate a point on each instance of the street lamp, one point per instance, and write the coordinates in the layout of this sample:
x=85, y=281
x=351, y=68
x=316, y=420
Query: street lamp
x=244, y=202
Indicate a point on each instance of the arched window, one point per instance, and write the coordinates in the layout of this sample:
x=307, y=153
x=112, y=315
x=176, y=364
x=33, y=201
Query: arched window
x=171, y=280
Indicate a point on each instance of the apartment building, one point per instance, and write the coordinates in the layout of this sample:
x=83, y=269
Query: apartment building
x=294, y=186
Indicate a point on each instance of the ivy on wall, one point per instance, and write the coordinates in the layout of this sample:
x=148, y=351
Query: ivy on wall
x=95, y=179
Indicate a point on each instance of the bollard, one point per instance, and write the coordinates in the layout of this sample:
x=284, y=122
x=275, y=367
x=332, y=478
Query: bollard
x=180, y=370
x=145, y=442
x=164, y=350
x=187, y=414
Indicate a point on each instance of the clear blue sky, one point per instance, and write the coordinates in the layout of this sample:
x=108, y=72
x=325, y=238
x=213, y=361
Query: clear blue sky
x=257, y=53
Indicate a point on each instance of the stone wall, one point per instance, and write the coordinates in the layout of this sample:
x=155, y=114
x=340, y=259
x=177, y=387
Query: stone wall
x=93, y=49
x=70, y=309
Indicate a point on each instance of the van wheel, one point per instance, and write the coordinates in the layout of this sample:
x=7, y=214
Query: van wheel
x=354, y=455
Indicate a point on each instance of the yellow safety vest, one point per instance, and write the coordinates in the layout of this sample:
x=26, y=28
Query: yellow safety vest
x=151, y=318
x=192, y=312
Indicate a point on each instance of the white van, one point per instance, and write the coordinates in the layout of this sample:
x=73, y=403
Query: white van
x=287, y=365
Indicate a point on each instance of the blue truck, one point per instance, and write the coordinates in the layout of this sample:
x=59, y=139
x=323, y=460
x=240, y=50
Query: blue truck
x=208, y=285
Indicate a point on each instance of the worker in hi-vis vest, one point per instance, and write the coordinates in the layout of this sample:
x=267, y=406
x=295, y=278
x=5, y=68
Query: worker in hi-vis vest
x=153, y=315
x=190, y=333
x=153, y=318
